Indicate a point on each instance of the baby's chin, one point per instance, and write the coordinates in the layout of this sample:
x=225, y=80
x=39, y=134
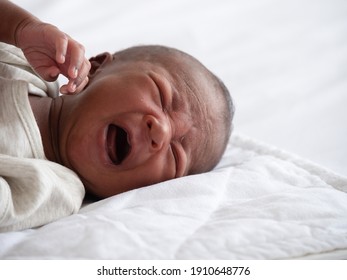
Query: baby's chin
x=92, y=188
x=101, y=190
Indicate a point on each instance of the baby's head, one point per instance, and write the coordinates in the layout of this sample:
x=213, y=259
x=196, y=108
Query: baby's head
x=148, y=114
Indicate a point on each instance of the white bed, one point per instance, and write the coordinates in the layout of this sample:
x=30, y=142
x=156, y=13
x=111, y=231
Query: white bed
x=280, y=190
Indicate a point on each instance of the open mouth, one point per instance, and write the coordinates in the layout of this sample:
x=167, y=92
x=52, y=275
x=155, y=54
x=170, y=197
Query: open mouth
x=117, y=144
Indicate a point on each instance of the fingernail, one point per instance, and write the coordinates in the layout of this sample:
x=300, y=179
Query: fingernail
x=75, y=72
x=63, y=90
x=73, y=87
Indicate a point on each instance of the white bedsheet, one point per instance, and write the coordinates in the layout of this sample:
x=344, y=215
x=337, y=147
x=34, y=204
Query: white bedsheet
x=286, y=65
x=260, y=203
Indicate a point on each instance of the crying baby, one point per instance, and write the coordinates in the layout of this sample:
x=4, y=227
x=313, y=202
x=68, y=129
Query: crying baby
x=147, y=115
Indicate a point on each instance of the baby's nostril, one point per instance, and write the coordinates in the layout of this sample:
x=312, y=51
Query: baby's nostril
x=149, y=124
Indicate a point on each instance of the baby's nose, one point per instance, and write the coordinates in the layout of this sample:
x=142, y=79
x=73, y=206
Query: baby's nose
x=159, y=132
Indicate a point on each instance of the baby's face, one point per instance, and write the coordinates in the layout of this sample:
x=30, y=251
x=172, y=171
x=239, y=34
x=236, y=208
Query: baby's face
x=136, y=124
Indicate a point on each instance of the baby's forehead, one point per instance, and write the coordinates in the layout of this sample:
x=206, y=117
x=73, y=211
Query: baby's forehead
x=190, y=92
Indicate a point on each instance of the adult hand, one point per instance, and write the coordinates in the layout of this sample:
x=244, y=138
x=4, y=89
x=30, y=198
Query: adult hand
x=52, y=52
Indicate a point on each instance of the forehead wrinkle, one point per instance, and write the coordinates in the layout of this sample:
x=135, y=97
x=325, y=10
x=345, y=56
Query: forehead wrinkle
x=202, y=124
x=185, y=84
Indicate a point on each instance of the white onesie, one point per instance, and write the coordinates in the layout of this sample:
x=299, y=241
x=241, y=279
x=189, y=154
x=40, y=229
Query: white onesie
x=33, y=190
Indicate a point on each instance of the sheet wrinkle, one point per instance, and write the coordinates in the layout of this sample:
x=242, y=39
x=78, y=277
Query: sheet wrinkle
x=328, y=176
x=316, y=179
x=201, y=224
x=280, y=251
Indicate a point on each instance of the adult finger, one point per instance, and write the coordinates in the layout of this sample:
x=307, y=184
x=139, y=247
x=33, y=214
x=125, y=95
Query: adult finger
x=75, y=84
x=82, y=85
x=53, y=73
x=49, y=74
x=61, y=48
x=83, y=73
x=76, y=58
x=66, y=89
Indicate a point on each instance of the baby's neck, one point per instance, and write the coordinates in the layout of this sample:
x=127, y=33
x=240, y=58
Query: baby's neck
x=41, y=107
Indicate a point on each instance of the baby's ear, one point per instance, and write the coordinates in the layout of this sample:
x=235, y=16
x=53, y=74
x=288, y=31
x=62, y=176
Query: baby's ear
x=97, y=62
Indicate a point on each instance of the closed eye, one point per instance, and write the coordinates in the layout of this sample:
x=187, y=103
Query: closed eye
x=162, y=101
x=176, y=157
x=160, y=92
